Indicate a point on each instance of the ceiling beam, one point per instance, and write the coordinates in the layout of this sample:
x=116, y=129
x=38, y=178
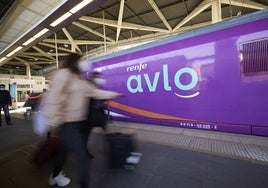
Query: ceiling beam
x=151, y=37
x=92, y=31
x=21, y=60
x=70, y=38
x=78, y=42
x=41, y=52
x=125, y=25
x=120, y=18
x=50, y=55
x=40, y=62
x=32, y=57
x=159, y=13
x=245, y=3
x=26, y=63
x=201, y=7
x=216, y=11
x=53, y=47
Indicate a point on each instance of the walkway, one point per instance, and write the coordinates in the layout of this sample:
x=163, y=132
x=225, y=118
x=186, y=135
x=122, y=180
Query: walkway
x=172, y=158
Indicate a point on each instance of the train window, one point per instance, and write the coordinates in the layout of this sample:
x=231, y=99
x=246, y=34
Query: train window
x=254, y=58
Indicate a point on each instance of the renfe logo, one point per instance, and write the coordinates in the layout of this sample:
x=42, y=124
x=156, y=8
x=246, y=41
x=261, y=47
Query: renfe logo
x=134, y=82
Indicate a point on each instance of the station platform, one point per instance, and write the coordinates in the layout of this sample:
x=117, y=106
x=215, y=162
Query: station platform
x=171, y=157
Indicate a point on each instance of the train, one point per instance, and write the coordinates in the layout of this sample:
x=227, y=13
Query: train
x=212, y=78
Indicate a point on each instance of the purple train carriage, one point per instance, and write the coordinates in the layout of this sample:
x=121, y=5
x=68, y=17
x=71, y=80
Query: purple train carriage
x=213, y=78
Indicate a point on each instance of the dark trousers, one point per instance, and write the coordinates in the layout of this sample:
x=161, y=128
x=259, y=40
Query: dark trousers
x=85, y=131
x=72, y=140
x=6, y=112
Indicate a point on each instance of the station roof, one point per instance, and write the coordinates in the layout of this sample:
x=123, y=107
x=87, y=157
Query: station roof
x=99, y=27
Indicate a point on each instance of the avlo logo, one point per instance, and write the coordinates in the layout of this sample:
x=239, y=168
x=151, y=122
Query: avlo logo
x=134, y=82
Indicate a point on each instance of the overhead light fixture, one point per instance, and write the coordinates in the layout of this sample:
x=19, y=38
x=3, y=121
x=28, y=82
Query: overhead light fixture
x=14, y=51
x=61, y=19
x=72, y=11
x=28, y=41
x=10, y=54
x=80, y=6
x=76, y=8
x=3, y=59
x=35, y=36
x=41, y=33
x=17, y=49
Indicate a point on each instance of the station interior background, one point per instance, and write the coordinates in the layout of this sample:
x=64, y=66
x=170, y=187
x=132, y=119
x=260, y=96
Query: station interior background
x=33, y=44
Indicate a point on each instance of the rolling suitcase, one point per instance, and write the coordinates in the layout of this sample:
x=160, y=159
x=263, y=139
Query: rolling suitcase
x=121, y=151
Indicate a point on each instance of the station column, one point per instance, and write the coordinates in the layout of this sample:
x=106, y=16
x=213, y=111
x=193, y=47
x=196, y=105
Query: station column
x=28, y=70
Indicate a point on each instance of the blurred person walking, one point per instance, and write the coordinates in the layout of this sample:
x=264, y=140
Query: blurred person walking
x=96, y=116
x=34, y=100
x=66, y=108
x=5, y=102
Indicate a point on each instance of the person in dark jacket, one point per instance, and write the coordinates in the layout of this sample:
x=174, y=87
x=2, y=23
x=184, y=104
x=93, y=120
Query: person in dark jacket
x=5, y=102
x=95, y=113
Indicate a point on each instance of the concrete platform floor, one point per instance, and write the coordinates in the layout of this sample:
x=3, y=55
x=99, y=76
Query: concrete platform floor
x=172, y=157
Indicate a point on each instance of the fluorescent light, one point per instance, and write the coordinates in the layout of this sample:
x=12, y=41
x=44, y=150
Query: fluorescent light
x=68, y=14
x=17, y=49
x=14, y=51
x=28, y=41
x=60, y=19
x=80, y=6
x=35, y=36
x=10, y=54
x=41, y=33
x=3, y=59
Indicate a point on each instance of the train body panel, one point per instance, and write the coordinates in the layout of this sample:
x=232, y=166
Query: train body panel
x=205, y=79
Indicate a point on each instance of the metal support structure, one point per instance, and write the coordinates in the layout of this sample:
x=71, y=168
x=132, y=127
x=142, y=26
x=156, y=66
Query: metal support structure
x=92, y=31
x=125, y=25
x=200, y=8
x=160, y=14
x=120, y=18
x=56, y=51
x=104, y=33
x=123, y=22
x=216, y=11
x=28, y=71
x=245, y=3
x=70, y=38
